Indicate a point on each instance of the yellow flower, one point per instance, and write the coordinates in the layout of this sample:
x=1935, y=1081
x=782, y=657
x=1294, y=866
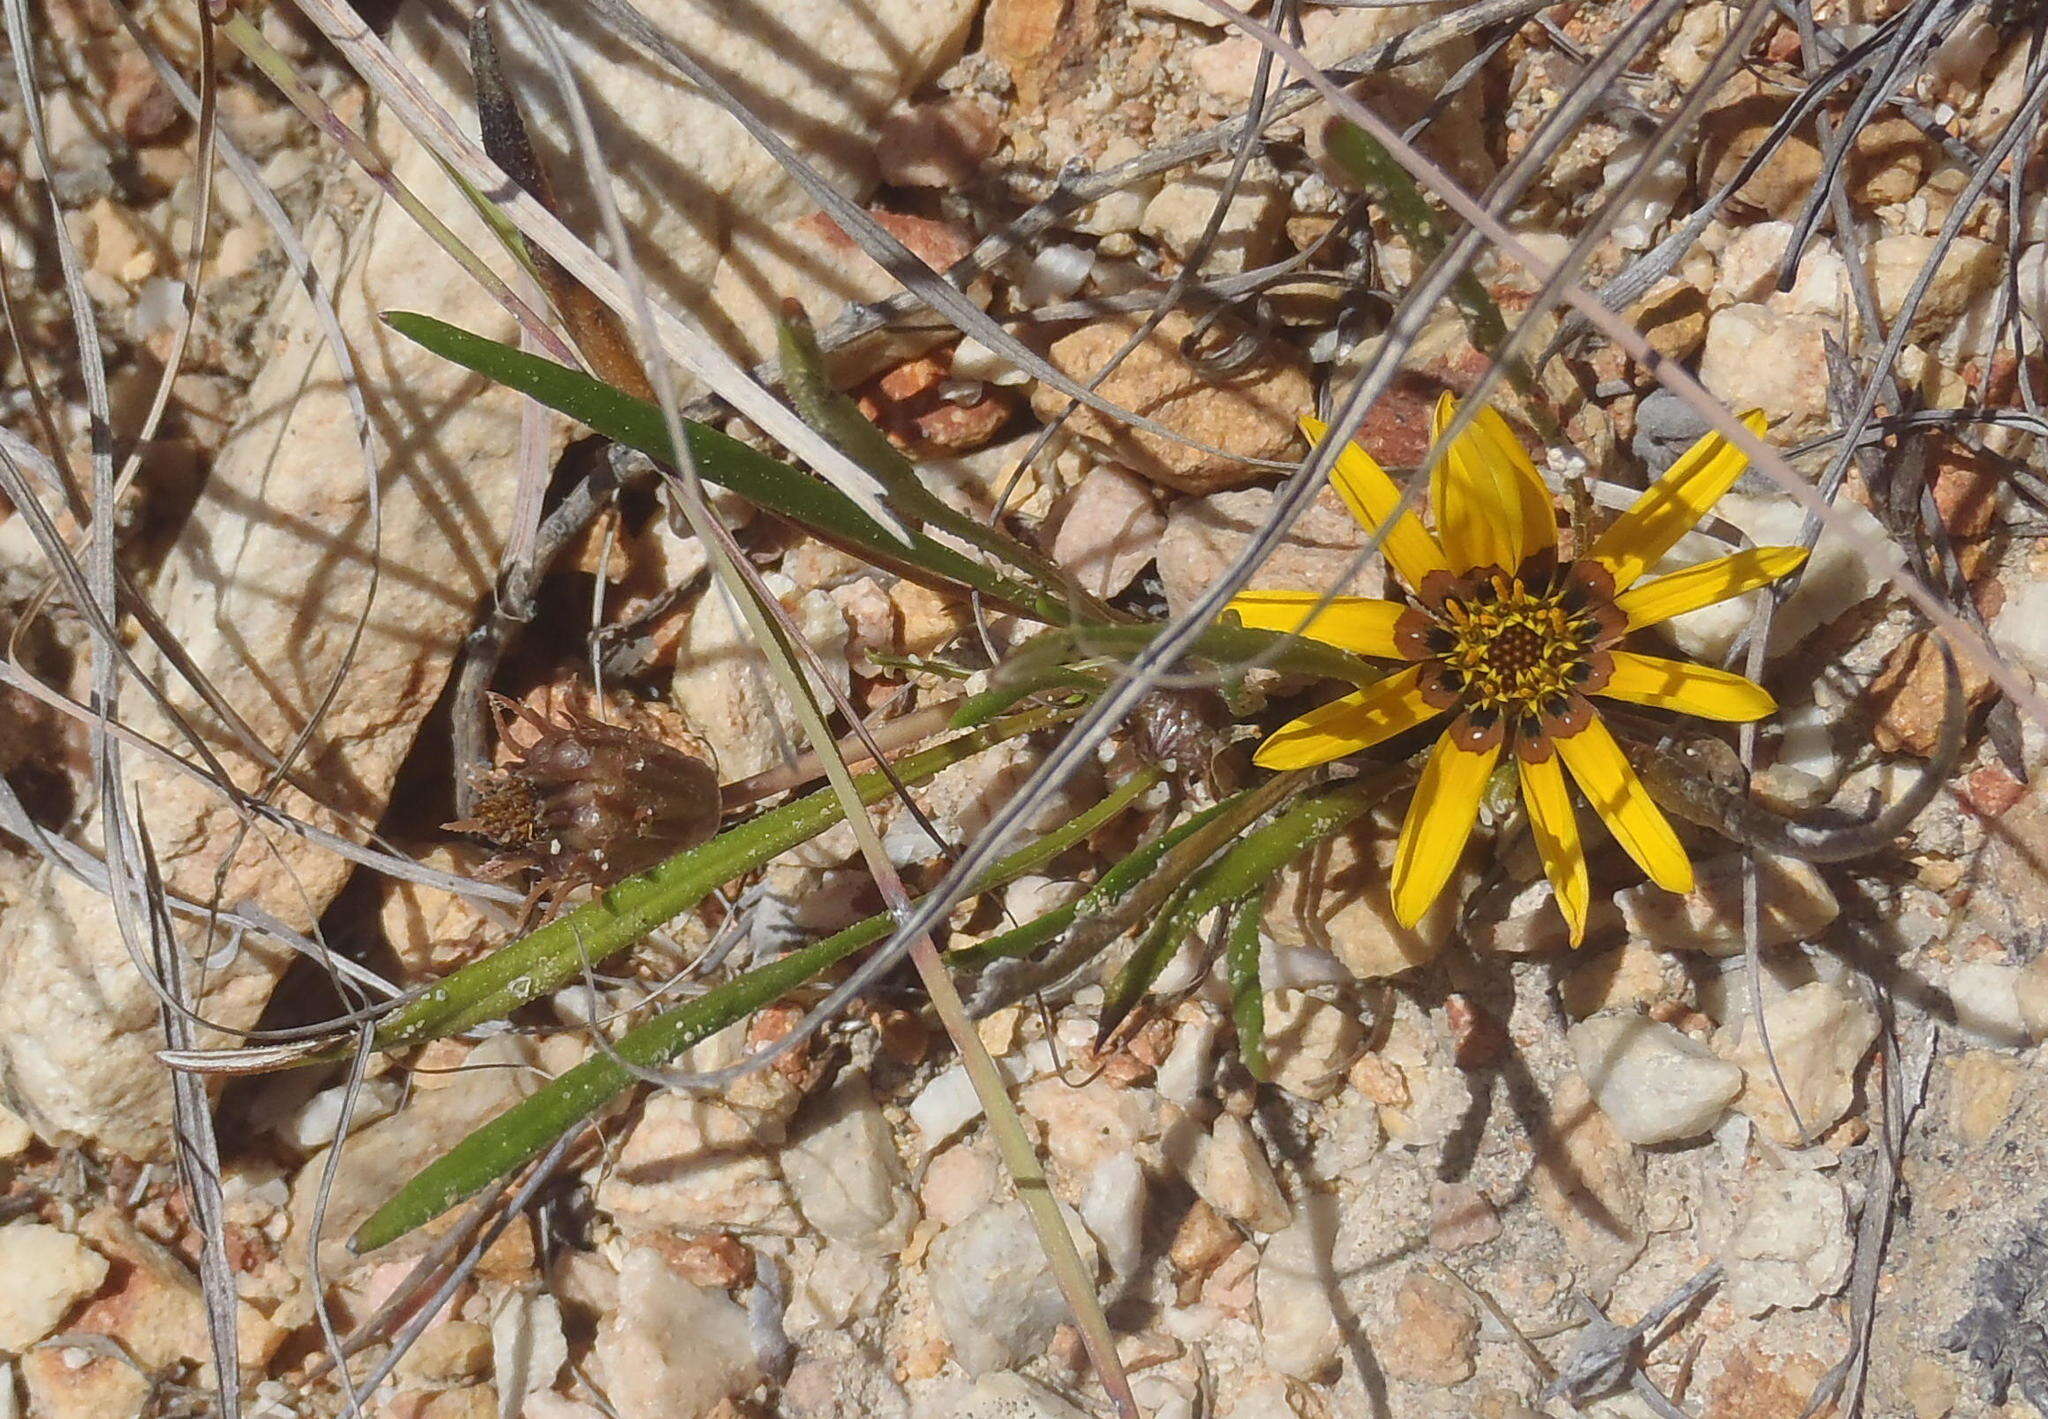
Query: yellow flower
x=1512, y=643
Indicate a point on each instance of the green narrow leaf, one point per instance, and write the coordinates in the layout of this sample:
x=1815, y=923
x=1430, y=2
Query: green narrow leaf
x=524, y=970
x=774, y=486
x=1108, y=889
x=530, y=1127
x=1247, y=867
x=1247, y=993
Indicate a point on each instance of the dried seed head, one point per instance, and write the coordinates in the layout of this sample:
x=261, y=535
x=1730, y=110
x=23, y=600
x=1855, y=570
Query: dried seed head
x=1183, y=729
x=585, y=802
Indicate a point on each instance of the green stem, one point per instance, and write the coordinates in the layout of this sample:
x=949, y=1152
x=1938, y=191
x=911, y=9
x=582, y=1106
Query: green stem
x=530, y=1127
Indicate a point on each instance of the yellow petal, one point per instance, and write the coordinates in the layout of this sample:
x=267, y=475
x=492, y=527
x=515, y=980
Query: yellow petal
x=1706, y=584
x=1491, y=508
x=1359, y=624
x=1556, y=829
x=1672, y=506
x=1624, y=805
x=1372, y=496
x=1359, y=720
x=1439, y=822
x=1691, y=689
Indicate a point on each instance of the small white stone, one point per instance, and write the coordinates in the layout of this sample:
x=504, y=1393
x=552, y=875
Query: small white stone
x=1032, y=896
x=1054, y=273
x=1193, y=11
x=528, y=1348
x=1638, y=221
x=1819, y=1034
x=1790, y=1246
x=992, y=1289
x=1653, y=1082
x=2032, y=990
x=1986, y=997
x=1310, y=1043
x=1300, y=1336
x=1748, y=266
x=1230, y=1172
x=976, y=361
x=1086, y=1125
x=315, y=1123
x=838, y=1286
x=2023, y=624
x=1759, y=358
x=48, y=1272
x=15, y=1136
x=696, y=1162
x=1179, y=214
x=1113, y=1207
x=1267, y=1397
x=1122, y=210
x=1111, y=530
x=944, y=1106
x=1350, y=1137
x=1797, y=904
x=956, y=1183
x=672, y=1348
x=1185, y=1073
x=842, y=1167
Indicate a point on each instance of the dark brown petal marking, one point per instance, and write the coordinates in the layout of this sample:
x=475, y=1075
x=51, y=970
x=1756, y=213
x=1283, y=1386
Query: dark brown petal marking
x=1477, y=730
x=1532, y=740
x=1611, y=624
x=1439, y=685
x=1441, y=586
x=1563, y=721
x=1418, y=637
x=1539, y=569
x=1589, y=580
x=1594, y=673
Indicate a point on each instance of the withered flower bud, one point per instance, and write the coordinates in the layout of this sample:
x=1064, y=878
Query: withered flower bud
x=1183, y=729
x=587, y=802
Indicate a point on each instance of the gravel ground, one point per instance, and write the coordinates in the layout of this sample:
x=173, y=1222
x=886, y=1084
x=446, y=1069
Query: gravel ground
x=1479, y=1151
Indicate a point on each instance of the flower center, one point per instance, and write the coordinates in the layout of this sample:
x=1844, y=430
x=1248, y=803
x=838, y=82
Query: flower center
x=1509, y=648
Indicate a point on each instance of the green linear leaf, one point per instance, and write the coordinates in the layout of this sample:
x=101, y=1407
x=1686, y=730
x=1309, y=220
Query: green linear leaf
x=530, y=1127
x=528, y=968
x=768, y=483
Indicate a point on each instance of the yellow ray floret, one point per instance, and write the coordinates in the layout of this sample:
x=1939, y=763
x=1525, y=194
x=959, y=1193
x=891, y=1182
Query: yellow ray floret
x=1491, y=508
x=1690, y=689
x=1556, y=830
x=1707, y=584
x=1359, y=720
x=1372, y=497
x=1359, y=624
x=1672, y=506
x=1440, y=819
x=1605, y=777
